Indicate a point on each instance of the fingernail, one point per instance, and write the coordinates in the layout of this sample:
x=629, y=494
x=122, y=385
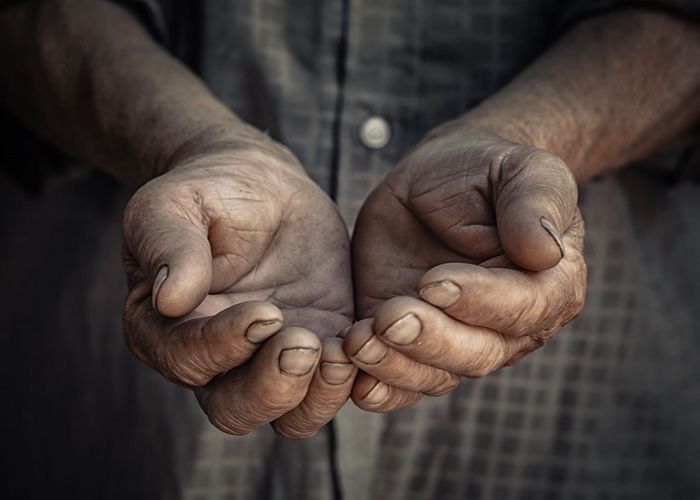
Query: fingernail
x=441, y=293
x=262, y=330
x=372, y=351
x=336, y=373
x=377, y=394
x=342, y=333
x=161, y=276
x=552, y=230
x=404, y=330
x=297, y=360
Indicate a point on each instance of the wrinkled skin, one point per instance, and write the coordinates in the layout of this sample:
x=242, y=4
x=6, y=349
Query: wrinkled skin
x=454, y=268
x=256, y=286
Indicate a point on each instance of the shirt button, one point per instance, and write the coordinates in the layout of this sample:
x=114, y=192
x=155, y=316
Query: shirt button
x=375, y=132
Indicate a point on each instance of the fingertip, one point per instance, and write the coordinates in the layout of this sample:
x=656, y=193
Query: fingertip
x=370, y=394
x=376, y=395
x=296, y=336
x=364, y=385
x=357, y=336
x=288, y=428
x=299, y=351
x=442, y=294
x=327, y=393
x=179, y=289
x=260, y=331
x=297, y=361
x=267, y=319
x=332, y=350
x=396, y=309
x=531, y=240
x=335, y=367
x=161, y=276
x=535, y=205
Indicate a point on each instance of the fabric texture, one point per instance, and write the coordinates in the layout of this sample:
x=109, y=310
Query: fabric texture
x=606, y=410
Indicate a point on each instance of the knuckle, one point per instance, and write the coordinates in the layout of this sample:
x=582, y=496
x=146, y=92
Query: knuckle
x=290, y=430
x=478, y=372
x=187, y=370
x=133, y=341
x=580, y=286
x=529, y=344
x=490, y=359
x=405, y=400
x=277, y=402
x=315, y=413
x=132, y=210
x=136, y=349
x=448, y=383
x=575, y=289
x=228, y=423
x=383, y=407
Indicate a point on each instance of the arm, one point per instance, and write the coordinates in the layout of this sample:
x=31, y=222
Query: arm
x=480, y=220
x=88, y=78
x=613, y=90
x=237, y=263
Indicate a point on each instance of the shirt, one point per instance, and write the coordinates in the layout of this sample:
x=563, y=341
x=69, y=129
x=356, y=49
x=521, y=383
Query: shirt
x=607, y=409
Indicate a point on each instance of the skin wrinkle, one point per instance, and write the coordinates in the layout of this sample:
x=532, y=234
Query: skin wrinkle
x=606, y=84
x=420, y=221
x=522, y=310
x=489, y=361
x=213, y=353
x=255, y=410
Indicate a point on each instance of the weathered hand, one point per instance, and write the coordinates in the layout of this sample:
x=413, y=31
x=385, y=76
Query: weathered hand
x=239, y=276
x=459, y=264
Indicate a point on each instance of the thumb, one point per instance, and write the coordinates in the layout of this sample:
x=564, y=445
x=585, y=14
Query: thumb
x=536, y=199
x=175, y=254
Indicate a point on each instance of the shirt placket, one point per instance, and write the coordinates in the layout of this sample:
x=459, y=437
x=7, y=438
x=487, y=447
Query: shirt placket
x=376, y=118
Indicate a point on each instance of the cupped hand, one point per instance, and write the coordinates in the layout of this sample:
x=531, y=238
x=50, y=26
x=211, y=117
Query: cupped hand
x=239, y=276
x=465, y=258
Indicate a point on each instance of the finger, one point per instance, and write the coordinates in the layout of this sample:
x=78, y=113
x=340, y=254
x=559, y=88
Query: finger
x=194, y=351
x=372, y=395
x=388, y=236
x=527, y=345
x=275, y=381
x=511, y=301
x=172, y=250
x=536, y=198
x=329, y=390
x=429, y=336
x=376, y=358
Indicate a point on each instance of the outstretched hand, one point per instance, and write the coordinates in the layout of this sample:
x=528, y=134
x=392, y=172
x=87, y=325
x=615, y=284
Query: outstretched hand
x=465, y=258
x=239, y=277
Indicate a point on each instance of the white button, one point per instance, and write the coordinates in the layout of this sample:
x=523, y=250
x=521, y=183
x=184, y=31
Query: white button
x=375, y=132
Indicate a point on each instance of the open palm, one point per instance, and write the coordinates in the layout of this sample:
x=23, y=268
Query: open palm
x=465, y=258
x=239, y=276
